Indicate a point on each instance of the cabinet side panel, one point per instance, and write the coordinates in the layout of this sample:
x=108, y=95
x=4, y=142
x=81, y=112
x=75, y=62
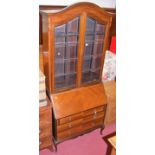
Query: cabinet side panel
x=45, y=47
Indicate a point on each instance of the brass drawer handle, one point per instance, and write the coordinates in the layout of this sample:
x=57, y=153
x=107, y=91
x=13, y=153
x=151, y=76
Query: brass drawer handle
x=95, y=111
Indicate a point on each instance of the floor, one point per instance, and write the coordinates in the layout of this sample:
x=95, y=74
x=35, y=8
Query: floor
x=88, y=144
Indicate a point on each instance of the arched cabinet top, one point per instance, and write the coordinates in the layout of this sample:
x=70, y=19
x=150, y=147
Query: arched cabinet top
x=78, y=9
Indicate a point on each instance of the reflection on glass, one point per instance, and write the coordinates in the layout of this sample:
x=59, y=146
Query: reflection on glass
x=93, y=50
x=66, y=41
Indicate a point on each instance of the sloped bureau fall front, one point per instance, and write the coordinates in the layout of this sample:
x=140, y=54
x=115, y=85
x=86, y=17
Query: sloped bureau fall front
x=78, y=111
x=74, y=43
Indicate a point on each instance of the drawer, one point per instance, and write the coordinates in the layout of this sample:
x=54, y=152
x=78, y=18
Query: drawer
x=93, y=124
x=44, y=118
x=70, y=132
x=94, y=117
x=88, y=125
x=45, y=131
x=69, y=125
x=98, y=122
x=76, y=130
x=70, y=118
x=62, y=135
x=94, y=110
x=45, y=142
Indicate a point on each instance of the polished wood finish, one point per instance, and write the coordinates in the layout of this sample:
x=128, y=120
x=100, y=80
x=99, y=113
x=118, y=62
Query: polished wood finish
x=53, y=18
x=112, y=11
x=41, y=62
x=81, y=47
x=45, y=127
x=110, y=89
x=82, y=109
x=78, y=100
x=78, y=111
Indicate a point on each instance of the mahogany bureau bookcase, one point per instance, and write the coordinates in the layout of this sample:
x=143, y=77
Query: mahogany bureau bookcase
x=75, y=40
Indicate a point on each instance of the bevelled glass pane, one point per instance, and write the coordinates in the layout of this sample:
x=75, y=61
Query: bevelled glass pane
x=94, y=43
x=65, y=62
x=72, y=26
x=90, y=25
x=60, y=30
x=100, y=28
x=71, y=50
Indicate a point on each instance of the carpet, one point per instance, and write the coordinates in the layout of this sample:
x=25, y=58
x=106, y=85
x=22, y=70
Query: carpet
x=87, y=144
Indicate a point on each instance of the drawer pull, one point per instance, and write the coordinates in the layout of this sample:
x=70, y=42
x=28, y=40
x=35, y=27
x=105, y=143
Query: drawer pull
x=95, y=111
x=39, y=130
x=40, y=142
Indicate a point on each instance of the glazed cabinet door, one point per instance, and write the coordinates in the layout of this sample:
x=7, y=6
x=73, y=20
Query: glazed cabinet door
x=75, y=40
x=65, y=54
x=93, y=51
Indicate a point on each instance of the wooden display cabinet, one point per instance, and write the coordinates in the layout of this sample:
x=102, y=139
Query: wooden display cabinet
x=75, y=40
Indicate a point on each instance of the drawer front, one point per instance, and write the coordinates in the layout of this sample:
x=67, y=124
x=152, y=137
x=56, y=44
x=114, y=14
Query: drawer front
x=88, y=125
x=93, y=124
x=69, y=133
x=70, y=118
x=75, y=125
x=62, y=135
x=94, y=117
x=45, y=142
x=98, y=122
x=44, y=118
x=45, y=131
x=94, y=110
x=69, y=125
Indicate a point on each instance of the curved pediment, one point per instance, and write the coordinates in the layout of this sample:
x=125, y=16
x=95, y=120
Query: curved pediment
x=78, y=9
